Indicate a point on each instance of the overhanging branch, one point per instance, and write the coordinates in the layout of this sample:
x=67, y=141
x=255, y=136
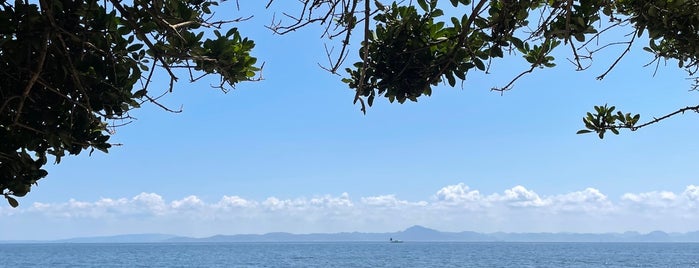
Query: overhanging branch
x=656, y=120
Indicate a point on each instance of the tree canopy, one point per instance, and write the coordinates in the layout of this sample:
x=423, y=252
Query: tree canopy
x=72, y=70
x=408, y=49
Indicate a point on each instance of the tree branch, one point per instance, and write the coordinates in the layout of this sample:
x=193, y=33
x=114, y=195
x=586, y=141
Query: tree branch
x=365, y=57
x=628, y=48
x=35, y=75
x=656, y=120
x=142, y=36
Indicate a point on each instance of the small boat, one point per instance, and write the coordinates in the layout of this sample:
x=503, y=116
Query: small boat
x=394, y=240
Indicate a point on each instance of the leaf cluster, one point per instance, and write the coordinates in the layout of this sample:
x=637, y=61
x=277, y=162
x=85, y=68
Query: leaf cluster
x=672, y=27
x=72, y=68
x=605, y=119
x=412, y=48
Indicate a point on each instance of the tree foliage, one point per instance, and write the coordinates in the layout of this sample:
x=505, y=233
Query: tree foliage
x=410, y=47
x=70, y=68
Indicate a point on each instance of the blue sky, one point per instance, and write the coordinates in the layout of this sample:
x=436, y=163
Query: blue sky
x=292, y=153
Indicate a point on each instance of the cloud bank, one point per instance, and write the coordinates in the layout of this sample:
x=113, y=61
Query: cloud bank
x=452, y=208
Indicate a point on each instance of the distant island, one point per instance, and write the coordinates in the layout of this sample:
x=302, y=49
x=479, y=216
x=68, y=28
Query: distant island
x=413, y=234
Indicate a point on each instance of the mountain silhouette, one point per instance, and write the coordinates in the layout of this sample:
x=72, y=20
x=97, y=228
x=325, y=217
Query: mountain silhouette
x=415, y=233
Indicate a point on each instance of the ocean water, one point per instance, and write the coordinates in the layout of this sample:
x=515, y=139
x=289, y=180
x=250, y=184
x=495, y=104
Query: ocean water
x=352, y=254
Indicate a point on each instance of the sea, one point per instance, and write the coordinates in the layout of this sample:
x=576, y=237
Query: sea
x=351, y=254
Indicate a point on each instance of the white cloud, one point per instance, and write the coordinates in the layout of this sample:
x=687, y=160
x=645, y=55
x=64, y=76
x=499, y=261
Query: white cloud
x=453, y=207
x=588, y=200
x=319, y=204
x=229, y=202
x=188, y=203
x=150, y=202
x=328, y=201
x=589, y=195
x=519, y=196
x=273, y=203
x=459, y=194
x=659, y=204
x=389, y=201
x=651, y=199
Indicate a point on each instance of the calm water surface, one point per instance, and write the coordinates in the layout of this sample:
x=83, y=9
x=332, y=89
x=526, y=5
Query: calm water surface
x=352, y=255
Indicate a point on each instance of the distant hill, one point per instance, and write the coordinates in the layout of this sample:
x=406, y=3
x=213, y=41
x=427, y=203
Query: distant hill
x=128, y=238
x=422, y=234
x=413, y=234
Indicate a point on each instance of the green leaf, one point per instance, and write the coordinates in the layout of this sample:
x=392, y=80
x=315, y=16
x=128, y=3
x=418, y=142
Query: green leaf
x=460, y=75
x=13, y=202
x=583, y=131
x=427, y=91
x=620, y=117
x=607, y=11
x=479, y=64
x=140, y=93
x=517, y=42
x=457, y=24
x=423, y=5
x=379, y=6
x=640, y=28
x=433, y=4
x=134, y=47
x=124, y=31
x=450, y=79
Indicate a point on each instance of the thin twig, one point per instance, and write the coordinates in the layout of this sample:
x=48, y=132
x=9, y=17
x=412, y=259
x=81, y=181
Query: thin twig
x=628, y=48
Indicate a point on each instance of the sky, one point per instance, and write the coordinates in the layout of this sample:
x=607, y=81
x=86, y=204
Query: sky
x=291, y=153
